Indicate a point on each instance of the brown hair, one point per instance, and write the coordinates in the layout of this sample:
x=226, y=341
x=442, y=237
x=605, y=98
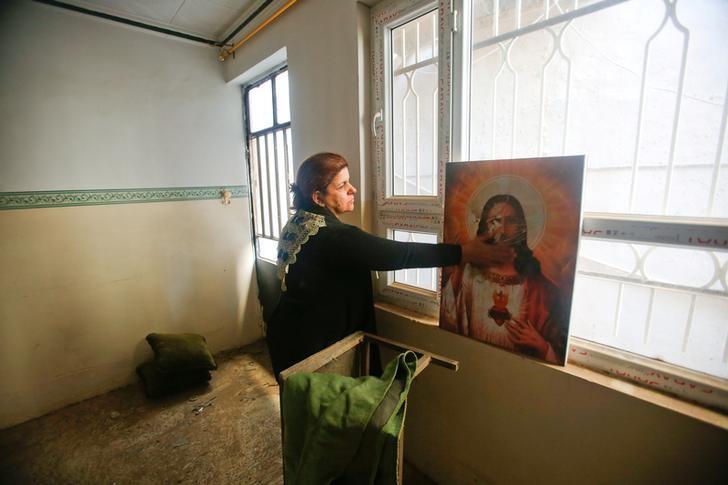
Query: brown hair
x=315, y=174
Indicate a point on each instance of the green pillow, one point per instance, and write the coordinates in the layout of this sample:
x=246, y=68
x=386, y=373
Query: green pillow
x=180, y=352
x=158, y=383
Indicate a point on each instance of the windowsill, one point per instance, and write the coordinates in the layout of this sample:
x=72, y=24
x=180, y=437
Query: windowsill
x=685, y=408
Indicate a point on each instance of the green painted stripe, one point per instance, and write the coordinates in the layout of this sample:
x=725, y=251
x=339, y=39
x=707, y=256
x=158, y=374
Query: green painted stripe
x=67, y=198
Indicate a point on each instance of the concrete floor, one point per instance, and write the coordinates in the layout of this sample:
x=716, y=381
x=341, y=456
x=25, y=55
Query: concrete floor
x=224, y=432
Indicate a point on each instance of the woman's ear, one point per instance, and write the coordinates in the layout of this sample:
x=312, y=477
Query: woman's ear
x=316, y=197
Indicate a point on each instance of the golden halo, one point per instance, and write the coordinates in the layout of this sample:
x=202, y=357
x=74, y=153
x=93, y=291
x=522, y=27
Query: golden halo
x=518, y=187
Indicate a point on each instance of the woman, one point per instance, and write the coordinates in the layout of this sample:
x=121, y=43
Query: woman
x=324, y=265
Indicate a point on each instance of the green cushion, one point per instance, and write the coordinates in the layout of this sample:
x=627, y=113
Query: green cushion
x=180, y=352
x=158, y=383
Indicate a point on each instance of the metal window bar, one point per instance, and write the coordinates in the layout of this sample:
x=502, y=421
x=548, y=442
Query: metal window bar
x=514, y=107
x=689, y=323
x=433, y=185
x=648, y=318
x=416, y=274
x=494, y=98
x=670, y=15
x=282, y=179
x=417, y=126
x=273, y=185
x=273, y=168
x=712, y=238
x=289, y=162
x=404, y=118
x=255, y=181
x=718, y=153
x=271, y=165
x=409, y=71
x=670, y=9
x=683, y=237
x=265, y=179
x=650, y=283
x=541, y=24
x=415, y=67
x=618, y=312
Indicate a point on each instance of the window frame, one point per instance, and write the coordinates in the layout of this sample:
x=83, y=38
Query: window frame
x=412, y=213
x=256, y=184
x=406, y=213
x=386, y=17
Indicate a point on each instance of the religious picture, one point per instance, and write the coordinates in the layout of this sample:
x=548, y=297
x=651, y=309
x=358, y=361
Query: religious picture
x=534, y=206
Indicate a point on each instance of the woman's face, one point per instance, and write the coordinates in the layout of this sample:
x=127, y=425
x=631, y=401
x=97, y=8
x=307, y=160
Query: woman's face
x=339, y=194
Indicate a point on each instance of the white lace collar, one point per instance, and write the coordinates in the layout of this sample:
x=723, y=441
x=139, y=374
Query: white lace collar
x=297, y=231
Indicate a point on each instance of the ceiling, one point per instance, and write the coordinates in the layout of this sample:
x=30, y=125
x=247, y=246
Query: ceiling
x=209, y=19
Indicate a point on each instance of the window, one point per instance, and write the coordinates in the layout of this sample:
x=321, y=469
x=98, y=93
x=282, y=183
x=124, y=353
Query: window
x=641, y=88
x=407, y=49
x=268, y=126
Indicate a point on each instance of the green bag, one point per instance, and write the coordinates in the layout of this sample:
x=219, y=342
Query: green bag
x=345, y=428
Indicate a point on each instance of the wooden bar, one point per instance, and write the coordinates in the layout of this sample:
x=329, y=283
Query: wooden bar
x=365, y=357
x=422, y=363
x=393, y=344
x=319, y=359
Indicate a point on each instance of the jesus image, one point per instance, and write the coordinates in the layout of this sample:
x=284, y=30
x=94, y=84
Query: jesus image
x=513, y=306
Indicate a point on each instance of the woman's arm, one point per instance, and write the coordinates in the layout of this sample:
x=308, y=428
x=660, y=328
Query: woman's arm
x=352, y=246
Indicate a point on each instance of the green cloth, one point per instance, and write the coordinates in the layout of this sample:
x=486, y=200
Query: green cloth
x=158, y=383
x=181, y=352
x=345, y=428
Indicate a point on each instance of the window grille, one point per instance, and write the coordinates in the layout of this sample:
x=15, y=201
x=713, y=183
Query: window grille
x=424, y=278
x=610, y=79
x=641, y=88
x=414, y=106
x=268, y=126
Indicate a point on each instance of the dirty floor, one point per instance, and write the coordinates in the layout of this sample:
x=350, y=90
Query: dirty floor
x=222, y=433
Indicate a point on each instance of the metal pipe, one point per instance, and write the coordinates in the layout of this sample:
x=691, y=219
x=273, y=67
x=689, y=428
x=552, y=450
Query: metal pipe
x=246, y=22
x=133, y=23
x=225, y=53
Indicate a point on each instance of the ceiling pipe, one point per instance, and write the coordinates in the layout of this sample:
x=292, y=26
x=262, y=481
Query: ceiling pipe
x=134, y=23
x=245, y=22
x=225, y=52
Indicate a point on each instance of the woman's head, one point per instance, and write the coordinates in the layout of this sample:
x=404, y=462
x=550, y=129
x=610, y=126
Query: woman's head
x=323, y=180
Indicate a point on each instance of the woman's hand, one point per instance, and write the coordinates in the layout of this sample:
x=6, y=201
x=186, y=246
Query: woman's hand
x=525, y=336
x=480, y=253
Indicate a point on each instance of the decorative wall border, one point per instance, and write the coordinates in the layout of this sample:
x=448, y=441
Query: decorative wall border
x=70, y=198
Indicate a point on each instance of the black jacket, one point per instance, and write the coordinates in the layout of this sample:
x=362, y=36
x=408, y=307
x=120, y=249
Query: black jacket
x=328, y=289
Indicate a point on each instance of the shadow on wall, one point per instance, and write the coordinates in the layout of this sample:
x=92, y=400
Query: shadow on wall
x=269, y=287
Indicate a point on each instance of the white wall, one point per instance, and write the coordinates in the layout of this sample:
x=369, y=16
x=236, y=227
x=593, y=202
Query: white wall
x=90, y=104
x=505, y=419
x=327, y=76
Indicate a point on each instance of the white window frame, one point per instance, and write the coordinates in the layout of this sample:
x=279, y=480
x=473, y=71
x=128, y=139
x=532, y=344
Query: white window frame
x=407, y=213
x=426, y=214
